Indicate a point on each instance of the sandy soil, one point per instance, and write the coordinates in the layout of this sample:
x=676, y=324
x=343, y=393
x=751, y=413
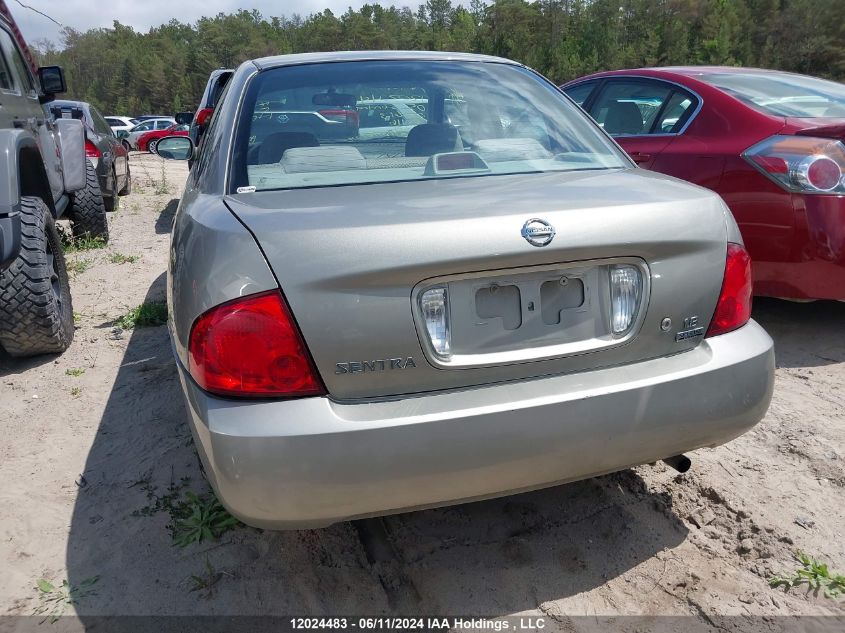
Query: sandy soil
x=82, y=456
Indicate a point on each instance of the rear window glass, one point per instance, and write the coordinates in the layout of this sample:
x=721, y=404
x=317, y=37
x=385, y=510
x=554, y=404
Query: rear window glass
x=367, y=122
x=783, y=94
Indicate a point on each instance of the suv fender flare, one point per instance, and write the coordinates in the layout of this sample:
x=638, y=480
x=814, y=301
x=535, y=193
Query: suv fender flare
x=22, y=173
x=12, y=143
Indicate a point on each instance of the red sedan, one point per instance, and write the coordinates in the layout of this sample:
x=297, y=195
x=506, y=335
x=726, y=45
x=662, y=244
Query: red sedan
x=770, y=143
x=147, y=142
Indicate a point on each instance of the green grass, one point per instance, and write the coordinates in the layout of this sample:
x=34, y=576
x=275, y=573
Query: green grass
x=77, y=266
x=194, y=518
x=76, y=392
x=206, y=580
x=148, y=314
x=77, y=317
x=77, y=244
x=198, y=519
x=815, y=575
x=75, y=371
x=55, y=600
x=120, y=258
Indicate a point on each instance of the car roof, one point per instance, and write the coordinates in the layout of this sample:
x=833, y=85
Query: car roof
x=693, y=72
x=276, y=61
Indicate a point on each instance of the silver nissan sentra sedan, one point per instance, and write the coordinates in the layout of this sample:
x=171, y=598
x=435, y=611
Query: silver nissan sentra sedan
x=492, y=301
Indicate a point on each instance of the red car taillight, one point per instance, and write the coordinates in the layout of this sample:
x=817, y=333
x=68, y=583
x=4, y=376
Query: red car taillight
x=252, y=347
x=802, y=164
x=91, y=150
x=350, y=117
x=734, y=307
x=204, y=115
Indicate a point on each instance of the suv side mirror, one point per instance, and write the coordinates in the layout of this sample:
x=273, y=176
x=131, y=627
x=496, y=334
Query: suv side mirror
x=52, y=80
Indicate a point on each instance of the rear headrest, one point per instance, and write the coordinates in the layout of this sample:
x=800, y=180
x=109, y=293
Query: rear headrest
x=275, y=145
x=623, y=117
x=326, y=158
x=432, y=138
x=501, y=149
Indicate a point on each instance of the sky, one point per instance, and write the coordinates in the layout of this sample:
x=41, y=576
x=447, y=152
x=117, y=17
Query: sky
x=142, y=14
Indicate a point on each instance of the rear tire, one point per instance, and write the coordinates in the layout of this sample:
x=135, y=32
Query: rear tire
x=36, y=312
x=151, y=146
x=87, y=209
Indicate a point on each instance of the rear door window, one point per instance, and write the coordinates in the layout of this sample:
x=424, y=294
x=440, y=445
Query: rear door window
x=675, y=113
x=163, y=125
x=630, y=107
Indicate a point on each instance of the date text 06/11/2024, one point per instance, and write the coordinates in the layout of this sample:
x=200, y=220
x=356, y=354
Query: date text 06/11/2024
x=518, y=623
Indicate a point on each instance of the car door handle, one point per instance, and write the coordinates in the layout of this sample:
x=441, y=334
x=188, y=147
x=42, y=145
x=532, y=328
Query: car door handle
x=639, y=157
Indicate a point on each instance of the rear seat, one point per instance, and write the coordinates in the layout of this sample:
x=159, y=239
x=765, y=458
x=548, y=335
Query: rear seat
x=325, y=158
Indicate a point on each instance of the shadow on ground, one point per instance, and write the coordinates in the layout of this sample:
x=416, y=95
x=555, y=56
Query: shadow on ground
x=805, y=334
x=164, y=221
x=494, y=557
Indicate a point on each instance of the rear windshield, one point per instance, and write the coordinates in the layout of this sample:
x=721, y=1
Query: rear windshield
x=367, y=122
x=783, y=94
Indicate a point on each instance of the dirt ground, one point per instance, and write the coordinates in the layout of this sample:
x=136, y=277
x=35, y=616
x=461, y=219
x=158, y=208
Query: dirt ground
x=84, y=456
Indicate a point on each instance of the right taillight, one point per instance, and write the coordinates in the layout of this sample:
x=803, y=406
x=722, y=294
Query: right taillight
x=251, y=347
x=801, y=164
x=734, y=307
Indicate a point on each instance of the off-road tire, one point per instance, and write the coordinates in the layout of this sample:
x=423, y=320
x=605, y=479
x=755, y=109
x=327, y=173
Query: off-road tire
x=127, y=188
x=112, y=202
x=36, y=313
x=151, y=146
x=87, y=210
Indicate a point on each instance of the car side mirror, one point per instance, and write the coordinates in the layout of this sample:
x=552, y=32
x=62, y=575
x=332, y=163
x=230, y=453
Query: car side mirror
x=175, y=148
x=52, y=80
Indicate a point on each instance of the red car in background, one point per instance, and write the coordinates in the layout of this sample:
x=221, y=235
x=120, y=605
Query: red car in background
x=147, y=142
x=771, y=143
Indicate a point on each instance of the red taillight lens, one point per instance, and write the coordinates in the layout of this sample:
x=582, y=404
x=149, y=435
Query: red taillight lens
x=802, y=164
x=252, y=347
x=204, y=115
x=91, y=150
x=734, y=307
x=350, y=117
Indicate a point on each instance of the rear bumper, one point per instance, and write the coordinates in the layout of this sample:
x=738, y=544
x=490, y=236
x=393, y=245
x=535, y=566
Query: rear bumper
x=312, y=462
x=818, y=267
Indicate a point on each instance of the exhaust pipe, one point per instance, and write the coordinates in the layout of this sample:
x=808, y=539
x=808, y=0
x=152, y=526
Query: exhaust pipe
x=681, y=463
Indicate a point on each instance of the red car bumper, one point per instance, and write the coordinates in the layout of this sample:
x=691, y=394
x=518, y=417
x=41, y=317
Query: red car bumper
x=817, y=268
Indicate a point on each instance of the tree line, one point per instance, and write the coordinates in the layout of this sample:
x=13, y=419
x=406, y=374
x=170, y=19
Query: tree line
x=164, y=70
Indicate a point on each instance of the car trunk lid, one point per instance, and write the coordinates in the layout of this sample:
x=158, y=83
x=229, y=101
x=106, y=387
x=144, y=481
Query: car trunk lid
x=821, y=127
x=352, y=262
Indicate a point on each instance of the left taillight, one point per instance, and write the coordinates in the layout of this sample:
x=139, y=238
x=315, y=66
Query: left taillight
x=733, y=309
x=802, y=164
x=204, y=115
x=251, y=347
